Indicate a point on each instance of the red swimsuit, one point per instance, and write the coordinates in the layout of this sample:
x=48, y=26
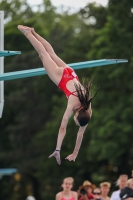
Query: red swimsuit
x=68, y=74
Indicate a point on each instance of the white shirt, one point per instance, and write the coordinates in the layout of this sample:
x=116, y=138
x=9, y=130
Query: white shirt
x=115, y=195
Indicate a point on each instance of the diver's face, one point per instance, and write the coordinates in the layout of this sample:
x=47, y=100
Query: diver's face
x=75, y=118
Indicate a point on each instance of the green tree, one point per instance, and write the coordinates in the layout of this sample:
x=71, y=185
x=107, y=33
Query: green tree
x=110, y=140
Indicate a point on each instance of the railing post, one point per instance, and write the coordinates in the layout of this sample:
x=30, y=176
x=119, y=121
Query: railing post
x=1, y=61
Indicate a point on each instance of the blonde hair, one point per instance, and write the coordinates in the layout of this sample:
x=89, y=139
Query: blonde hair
x=129, y=181
x=105, y=184
x=121, y=176
x=86, y=183
x=97, y=189
x=69, y=178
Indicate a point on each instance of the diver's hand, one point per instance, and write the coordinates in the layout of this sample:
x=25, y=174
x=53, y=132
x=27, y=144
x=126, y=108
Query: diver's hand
x=56, y=154
x=72, y=157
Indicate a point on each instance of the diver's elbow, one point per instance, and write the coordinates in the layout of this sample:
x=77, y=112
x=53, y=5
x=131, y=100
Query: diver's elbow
x=62, y=129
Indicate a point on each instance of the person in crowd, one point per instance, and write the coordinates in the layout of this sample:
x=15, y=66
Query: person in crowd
x=97, y=194
x=127, y=192
x=121, y=183
x=89, y=188
x=85, y=191
x=67, y=193
x=105, y=188
x=82, y=193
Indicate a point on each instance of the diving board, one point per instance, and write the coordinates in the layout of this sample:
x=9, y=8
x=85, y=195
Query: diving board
x=75, y=66
x=1, y=61
x=9, y=53
x=7, y=171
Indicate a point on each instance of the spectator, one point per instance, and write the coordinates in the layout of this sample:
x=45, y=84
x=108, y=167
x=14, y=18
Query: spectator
x=82, y=193
x=127, y=192
x=89, y=188
x=85, y=191
x=67, y=193
x=97, y=194
x=105, y=188
x=121, y=183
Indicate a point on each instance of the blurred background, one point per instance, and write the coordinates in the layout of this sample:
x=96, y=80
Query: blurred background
x=34, y=106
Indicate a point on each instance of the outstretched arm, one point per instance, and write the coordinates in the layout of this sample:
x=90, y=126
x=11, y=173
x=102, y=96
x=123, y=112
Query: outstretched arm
x=62, y=132
x=79, y=139
x=78, y=144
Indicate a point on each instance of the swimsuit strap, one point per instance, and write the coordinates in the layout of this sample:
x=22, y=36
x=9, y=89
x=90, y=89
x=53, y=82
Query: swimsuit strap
x=80, y=107
x=72, y=93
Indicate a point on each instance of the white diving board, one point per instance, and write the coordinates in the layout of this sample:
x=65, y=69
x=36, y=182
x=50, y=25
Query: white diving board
x=75, y=66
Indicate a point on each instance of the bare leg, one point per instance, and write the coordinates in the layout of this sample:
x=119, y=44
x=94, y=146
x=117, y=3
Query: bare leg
x=53, y=71
x=49, y=49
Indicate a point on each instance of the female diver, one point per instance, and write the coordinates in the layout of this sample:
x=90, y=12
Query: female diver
x=79, y=100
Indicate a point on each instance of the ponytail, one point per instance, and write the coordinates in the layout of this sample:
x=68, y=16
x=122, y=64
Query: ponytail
x=85, y=95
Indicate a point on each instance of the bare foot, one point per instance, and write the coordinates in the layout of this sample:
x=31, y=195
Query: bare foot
x=24, y=29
